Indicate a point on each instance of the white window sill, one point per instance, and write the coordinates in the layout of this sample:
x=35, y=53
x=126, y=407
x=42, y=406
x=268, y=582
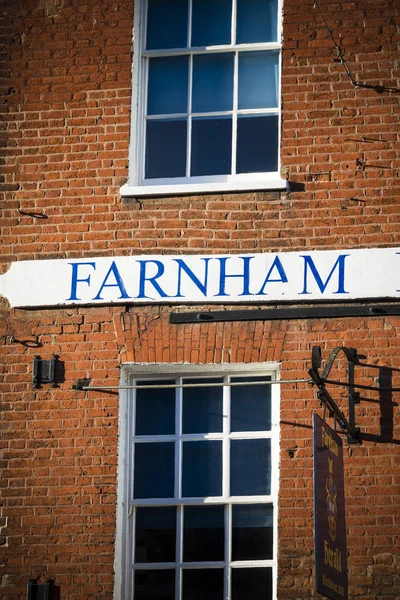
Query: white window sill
x=201, y=188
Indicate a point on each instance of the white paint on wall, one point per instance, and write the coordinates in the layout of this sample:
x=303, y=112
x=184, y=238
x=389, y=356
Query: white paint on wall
x=227, y=278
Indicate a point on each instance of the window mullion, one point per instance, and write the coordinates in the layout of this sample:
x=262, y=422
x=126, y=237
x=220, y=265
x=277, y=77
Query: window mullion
x=143, y=115
x=233, y=27
x=179, y=552
x=235, y=90
x=226, y=412
x=144, y=83
x=131, y=518
x=222, y=48
x=139, y=90
x=228, y=552
x=190, y=15
x=189, y=118
x=132, y=431
x=234, y=115
x=178, y=488
x=178, y=441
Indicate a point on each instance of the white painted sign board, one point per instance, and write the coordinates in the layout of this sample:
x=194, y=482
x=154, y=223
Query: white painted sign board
x=182, y=279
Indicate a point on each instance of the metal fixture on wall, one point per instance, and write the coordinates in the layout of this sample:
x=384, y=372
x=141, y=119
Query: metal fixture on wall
x=349, y=425
x=288, y=312
x=44, y=371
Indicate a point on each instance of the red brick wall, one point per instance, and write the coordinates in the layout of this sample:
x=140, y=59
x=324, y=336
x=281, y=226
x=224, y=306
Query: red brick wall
x=65, y=97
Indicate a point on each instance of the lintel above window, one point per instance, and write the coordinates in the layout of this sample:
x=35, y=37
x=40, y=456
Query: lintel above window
x=206, y=97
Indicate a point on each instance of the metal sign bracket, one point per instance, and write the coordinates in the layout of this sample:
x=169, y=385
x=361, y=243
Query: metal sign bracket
x=346, y=424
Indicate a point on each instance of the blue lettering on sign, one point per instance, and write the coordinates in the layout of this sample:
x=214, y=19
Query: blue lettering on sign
x=245, y=275
x=75, y=280
x=118, y=283
x=152, y=275
x=281, y=272
x=340, y=263
x=143, y=278
x=182, y=266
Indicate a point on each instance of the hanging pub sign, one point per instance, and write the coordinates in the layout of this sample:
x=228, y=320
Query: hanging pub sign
x=329, y=513
x=271, y=277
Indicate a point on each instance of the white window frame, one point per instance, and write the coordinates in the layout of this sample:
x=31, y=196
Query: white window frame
x=137, y=185
x=123, y=585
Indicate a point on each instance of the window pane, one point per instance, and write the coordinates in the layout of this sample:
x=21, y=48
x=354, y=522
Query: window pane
x=258, y=80
x=167, y=22
x=212, y=82
x=203, y=584
x=211, y=145
x=256, y=21
x=257, y=144
x=252, y=532
x=203, y=533
x=211, y=23
x=202, y=469
x=166, y=148
x=202, y=408
x=250, y=405
x=168, y=85
x=155, y=534
x=252, y=583
x=155, y=410
x=158, y=584
x=250, y=467
x=154, y=470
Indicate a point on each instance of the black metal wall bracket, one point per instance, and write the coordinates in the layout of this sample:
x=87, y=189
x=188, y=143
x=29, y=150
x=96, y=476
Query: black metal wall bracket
x=81, y=384
x=44, y=371
x=349, y=425
x=321, y=311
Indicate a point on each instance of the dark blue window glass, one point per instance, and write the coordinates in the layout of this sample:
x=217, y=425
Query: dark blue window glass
x=155, y=534
x=258, y=80
x=202, y=408
x=154, y=470
x=250, y=405
x=211, y=145
x=250, y=467
x=254, y=584
x=166, y=148
x=167, y=24
x=211, y=22
x=168, y=85
x=203, y=533
x=257, y=21
x=202, y=469
x=202, y=584
x=257, y=143
x=212, y=82
x=155, y=410
x=252, y=531
x=151, y=584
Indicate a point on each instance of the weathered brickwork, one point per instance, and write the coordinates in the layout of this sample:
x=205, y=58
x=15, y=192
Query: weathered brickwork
x=66, y=103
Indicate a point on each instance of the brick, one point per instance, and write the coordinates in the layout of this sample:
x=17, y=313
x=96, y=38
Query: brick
x=65, y=138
